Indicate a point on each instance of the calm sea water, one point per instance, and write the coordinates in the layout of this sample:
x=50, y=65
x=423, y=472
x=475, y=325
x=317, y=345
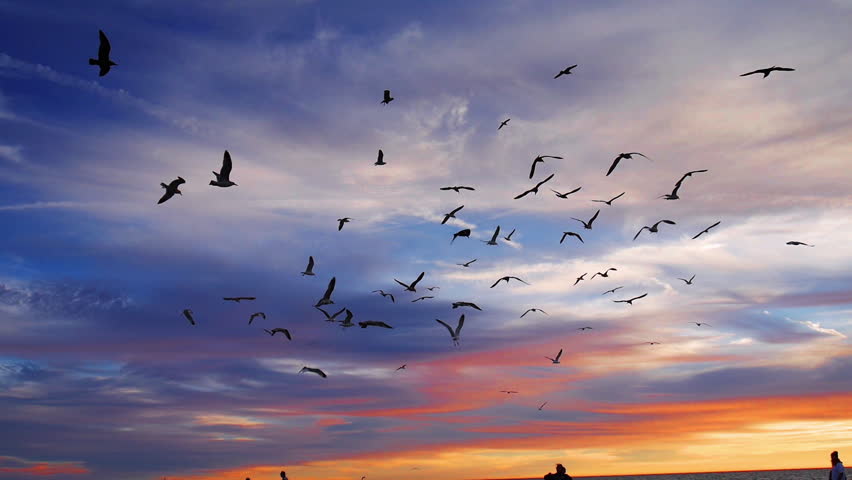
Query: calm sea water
x=818, y=474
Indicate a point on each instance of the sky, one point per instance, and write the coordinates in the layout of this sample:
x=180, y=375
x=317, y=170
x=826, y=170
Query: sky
x=102, y=377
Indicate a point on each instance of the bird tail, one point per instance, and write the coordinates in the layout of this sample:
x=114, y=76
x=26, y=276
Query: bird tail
x=164, y=185
x=92, y=61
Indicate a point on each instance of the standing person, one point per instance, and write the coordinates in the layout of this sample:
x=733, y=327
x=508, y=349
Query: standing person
x=837, y=471
x=561, y=475
x=283, y=475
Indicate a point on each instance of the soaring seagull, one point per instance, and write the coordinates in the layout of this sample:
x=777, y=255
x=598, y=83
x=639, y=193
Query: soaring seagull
x=566, y=71
x=799, y=243
x=381, y=158
x=255, y=315
x=688, y=282
x=588, y=225
x=461, y=233
x=384, y=294
x=279, y=330
x=313, y=370
x=585, y=328
x=700, y=324
x=533, y=310
x=188, y=314
x=458, y=188
x=433, y=288
x=493, y=240
x=508, y=392
x=412, y=287
x=542, y=405
x=571, y=234
x=331, y=318
x=341, y=222
x=506, y=279
x=373, y=323
x=508, y=237
x=612, y=291
x=223, y=178
x=103, y=60
x=454, y=333
x=538, y=159
x=466, y=304
x=654, y=228
x=626, y=156
x=326, y=298
x=534, y=190
x=171, y=189
x=555, y=360
x=466, y=264
x=450, y=215
x=673, y=195
x=764, y=71
x=630, y=301
x=402, y=367
x=706, y=230
x=237, y=299
x=310, y=269
x=387, y=97
x=580, y=278
x=565, y=195
x=427, y=297
x=503, y=123
x=609, y=202
x=605, y=274
x=347, y=321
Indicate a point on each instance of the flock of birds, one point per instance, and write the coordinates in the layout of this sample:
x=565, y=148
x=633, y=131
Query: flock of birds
x=223, y=180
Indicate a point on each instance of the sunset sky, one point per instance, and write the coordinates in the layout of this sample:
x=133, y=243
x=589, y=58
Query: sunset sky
x=102, y=378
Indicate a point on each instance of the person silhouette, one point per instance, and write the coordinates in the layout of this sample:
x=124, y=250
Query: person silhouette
x=838, y=472
x=559, y=475
x=283, y=475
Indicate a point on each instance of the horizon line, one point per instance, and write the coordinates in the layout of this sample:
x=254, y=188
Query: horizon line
x=670, y=473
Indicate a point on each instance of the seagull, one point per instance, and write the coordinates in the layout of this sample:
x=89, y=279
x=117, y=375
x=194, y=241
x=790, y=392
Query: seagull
x=764, y=71
x=433, y=288
x=503, y=123
x=540, y=158
x=706, y=230
x=411, y=288
x=373, y=323
x=380, y=160
x=331, y=318
x=567, y=71
x=341, y=221
x=588, y=226
x=673, y=195
x=310, y=269
x=454, y=333
x=421, y=298
x=565, y=195
x=542, y=405
x=382, y=293
x=461, y=233
x=450, y=215
x=535, y=188
x=799, y=243
x=466, y=304
x=581, y=277
x=402, y=367
x=387, y=98
x=458, y=189
x=654, y=228
x=652, y=343
x=103, y=60
x=347, y=321
x=609, y=202
x=188, y=314
x=508, y=392
x=237, y=299
x=171, y=189
x=688, y=282
x=572, y=234
x=585, y=328
x=555, y=360
x=223, y=178
x=700, y=324
x=326, y=298
x=257, y=314
x=313, y=370
x=605, y=274
x=612, y=291
x=493, y=240
x=508, y=237
x=533, y=310
x=630, y=301
x=506, y=279
x=277, y=330
x=467, y=264
x=627, y=156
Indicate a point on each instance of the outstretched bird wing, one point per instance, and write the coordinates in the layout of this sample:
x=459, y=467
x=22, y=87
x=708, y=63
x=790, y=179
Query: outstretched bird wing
x=545, y=180
x=640, y=231
x=226, y=166
x=532, y=168
x=330, y=288
x=558, y=355
x=592, y=220
x=459, y=326
x=104, y=46
x=499, y=280
x=448, y=327
x=614, y=164
x=762, y=70
x=419, y=277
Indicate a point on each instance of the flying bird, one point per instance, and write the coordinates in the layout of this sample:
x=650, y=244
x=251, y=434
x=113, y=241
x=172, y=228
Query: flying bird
x=585, y=328
x=466, y=304
x=654, y=228
x=458, y=188
x=347, y=321
x=255, y=315
x=506, y=279
x=508, y=237
x=538, y=159
x=571, y=234
x=542, y=405
x=433, y=288
x=373, y=323
x=764, y=71
x=533, y=310
x=381, y=158
x=387, y=97
x=412, y=287
x=310, y=269
x=566, y=71
x=799, y=243
x=605, y=274
x=630, y=301
x=103, y=60
x=626, y=156
x=331, y=318
x=450, y=215
x=188, y=314
x=313, y=370
x=454, y=333
x=688, y=282
x=555, y=360
x=467, y=264
x=326, y=298
x=706, y=230
x=279, y=330
x=588, y=225
x=701, y=324
x=402, y=367
x=581, y=277
x=609, y=202
x=673, y=195
x=652, y=343
x=534, y=190
x=461, y=233
x=565, y=195
x=384, y=294
x=612, y=291
x=508, y=392
x=223, y=178
x=421, y=298
x=503, y=123
x=341, y=222
x=237, y=299
x=493, y=240
x=171, y=189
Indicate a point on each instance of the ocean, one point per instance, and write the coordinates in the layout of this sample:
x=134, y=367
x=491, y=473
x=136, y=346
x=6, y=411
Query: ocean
x=815, y=474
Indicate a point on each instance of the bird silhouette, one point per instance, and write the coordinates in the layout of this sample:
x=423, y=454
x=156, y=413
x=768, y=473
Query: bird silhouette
x=223, y=178
x=688, y=282
x=384, y=294
x=458, y=188
x=493, y=240
x=534, y=190
x=313, y=370
x=310, y=269
x=421, y=298
x=402, y=367
x=341, y=222
x=330, y=318
x=461, y=233
x=625, y=156
x=584, y=328
x=450, y=215
x=347, y=320
x=799, y=243
x=538, y=159
x=605, y=274
x=508, y=237
x=508, y=392
x=411, y=288
x=566, y=71
x=572, y=234
x=380, y=160
x=654, y=228
x=279, y=330
x=533, y=310
x=565, y=195
x=506, y=279
x=467, y=264
x=630, y=301
x=433, y=288
x=255, y=315
x=456, y=334
x=706, y=230
x=171, y=189
x=612, y=291
x=542, y=405
x=238, y=299
x=609, y=202
x=103, y=61
x=673, y=195
x=580, y=278
x=701, y=324
x=466, y=304
x=326, y=298
x=764, y=71
x=387, y=97
x=588, y=225
x=373, y=323
x=503, y=123
x=188, y=314
x=555, y=360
